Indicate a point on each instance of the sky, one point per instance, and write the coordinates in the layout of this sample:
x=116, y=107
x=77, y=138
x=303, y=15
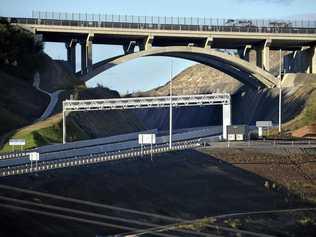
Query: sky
x=147, y=73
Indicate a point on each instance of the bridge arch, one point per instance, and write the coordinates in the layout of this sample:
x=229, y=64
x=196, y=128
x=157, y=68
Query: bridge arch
x=239, y=69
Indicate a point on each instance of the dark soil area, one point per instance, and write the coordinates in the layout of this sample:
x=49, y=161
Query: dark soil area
x=187, y=185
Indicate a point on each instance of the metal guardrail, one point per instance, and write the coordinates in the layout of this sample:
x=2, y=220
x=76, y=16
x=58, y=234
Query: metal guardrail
x=93, y=159
x=13, y=155
x=168, y=23
x=262, y=144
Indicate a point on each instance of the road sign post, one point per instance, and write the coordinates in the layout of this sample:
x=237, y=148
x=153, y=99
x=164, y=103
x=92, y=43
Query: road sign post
x=34, y=156
x=149, y=139
x=17, y=142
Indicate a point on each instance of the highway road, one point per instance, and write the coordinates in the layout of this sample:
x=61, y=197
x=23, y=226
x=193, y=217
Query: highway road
x=126, y=146
x=101, y=150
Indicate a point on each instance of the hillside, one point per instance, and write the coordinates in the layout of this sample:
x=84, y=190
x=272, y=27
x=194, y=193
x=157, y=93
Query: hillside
x=248, y=105
x=21, y=104
x=80, y=125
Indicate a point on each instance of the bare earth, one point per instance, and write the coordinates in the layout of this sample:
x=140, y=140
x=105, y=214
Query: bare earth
x=191, y=184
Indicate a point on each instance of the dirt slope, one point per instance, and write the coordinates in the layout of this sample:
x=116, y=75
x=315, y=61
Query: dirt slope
x=188, y=184
x=248, y=105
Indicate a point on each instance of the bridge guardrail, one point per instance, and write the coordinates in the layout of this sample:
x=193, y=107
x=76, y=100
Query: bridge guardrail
x=168, y=23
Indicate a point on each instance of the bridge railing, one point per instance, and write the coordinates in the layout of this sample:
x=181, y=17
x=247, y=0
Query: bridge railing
x=169, y=23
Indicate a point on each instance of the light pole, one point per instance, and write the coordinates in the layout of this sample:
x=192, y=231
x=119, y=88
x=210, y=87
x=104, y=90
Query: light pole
x=170, y=108
x=280, y=94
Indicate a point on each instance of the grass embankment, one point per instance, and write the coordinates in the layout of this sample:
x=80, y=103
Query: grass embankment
x=46, y=132
x=305, y=118
x=308, y=115
x=80, y=126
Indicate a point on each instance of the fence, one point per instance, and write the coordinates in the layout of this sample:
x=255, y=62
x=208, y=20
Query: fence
x=168, y=23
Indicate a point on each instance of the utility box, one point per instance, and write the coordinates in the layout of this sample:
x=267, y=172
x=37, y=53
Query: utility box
x=237, y=132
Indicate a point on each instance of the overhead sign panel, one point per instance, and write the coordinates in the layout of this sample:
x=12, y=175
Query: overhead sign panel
x=264, y=124
x=17, y=142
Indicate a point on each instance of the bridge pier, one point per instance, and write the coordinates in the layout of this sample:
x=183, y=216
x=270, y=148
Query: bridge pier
x=244, y=53
x=303, y=60
x=208, y=43
x=86, y=54
x=226, y=119
x=263, y=55
x=147, y=43
x=312, y=60
x=71, y=54
x=130, y=47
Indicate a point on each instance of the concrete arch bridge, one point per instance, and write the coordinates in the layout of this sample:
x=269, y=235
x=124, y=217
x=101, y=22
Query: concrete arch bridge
x=239, y=69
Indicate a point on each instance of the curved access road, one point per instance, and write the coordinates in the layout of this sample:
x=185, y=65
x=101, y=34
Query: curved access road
x=54, y=97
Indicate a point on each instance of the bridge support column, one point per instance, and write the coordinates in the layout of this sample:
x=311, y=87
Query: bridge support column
x=226, y=119
x=312, y=60
x=147, y=43
x=263, y=55
x=244, y=53
x=303, y=60
x=71, y=54
x=129, y=48
x=86, y=55
x=208, y=43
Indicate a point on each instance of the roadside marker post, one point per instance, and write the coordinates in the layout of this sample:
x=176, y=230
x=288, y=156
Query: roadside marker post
x=149, y=139
x=34, y=156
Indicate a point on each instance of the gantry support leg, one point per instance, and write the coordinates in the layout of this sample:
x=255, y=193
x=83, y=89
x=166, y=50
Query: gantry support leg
x=64, y=128
x=226, y=119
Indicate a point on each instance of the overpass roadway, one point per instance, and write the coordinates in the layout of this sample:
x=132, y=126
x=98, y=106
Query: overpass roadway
x=203, y=33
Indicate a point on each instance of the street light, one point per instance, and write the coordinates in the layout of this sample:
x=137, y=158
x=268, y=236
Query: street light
x=280, y=93
x=170, y=108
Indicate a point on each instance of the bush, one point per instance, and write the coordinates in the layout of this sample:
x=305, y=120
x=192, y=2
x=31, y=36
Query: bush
x=18, y=47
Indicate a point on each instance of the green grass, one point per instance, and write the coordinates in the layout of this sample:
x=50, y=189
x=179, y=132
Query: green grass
x=308, y=116
x=305, y=118
x=46, y=132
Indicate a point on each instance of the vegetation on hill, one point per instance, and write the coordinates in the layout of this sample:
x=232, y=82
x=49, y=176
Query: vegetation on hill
x=80, y=125
x=19, y=51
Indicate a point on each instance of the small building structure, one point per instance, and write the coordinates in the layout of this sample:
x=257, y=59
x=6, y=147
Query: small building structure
x=237, y=132
x=261, y=125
